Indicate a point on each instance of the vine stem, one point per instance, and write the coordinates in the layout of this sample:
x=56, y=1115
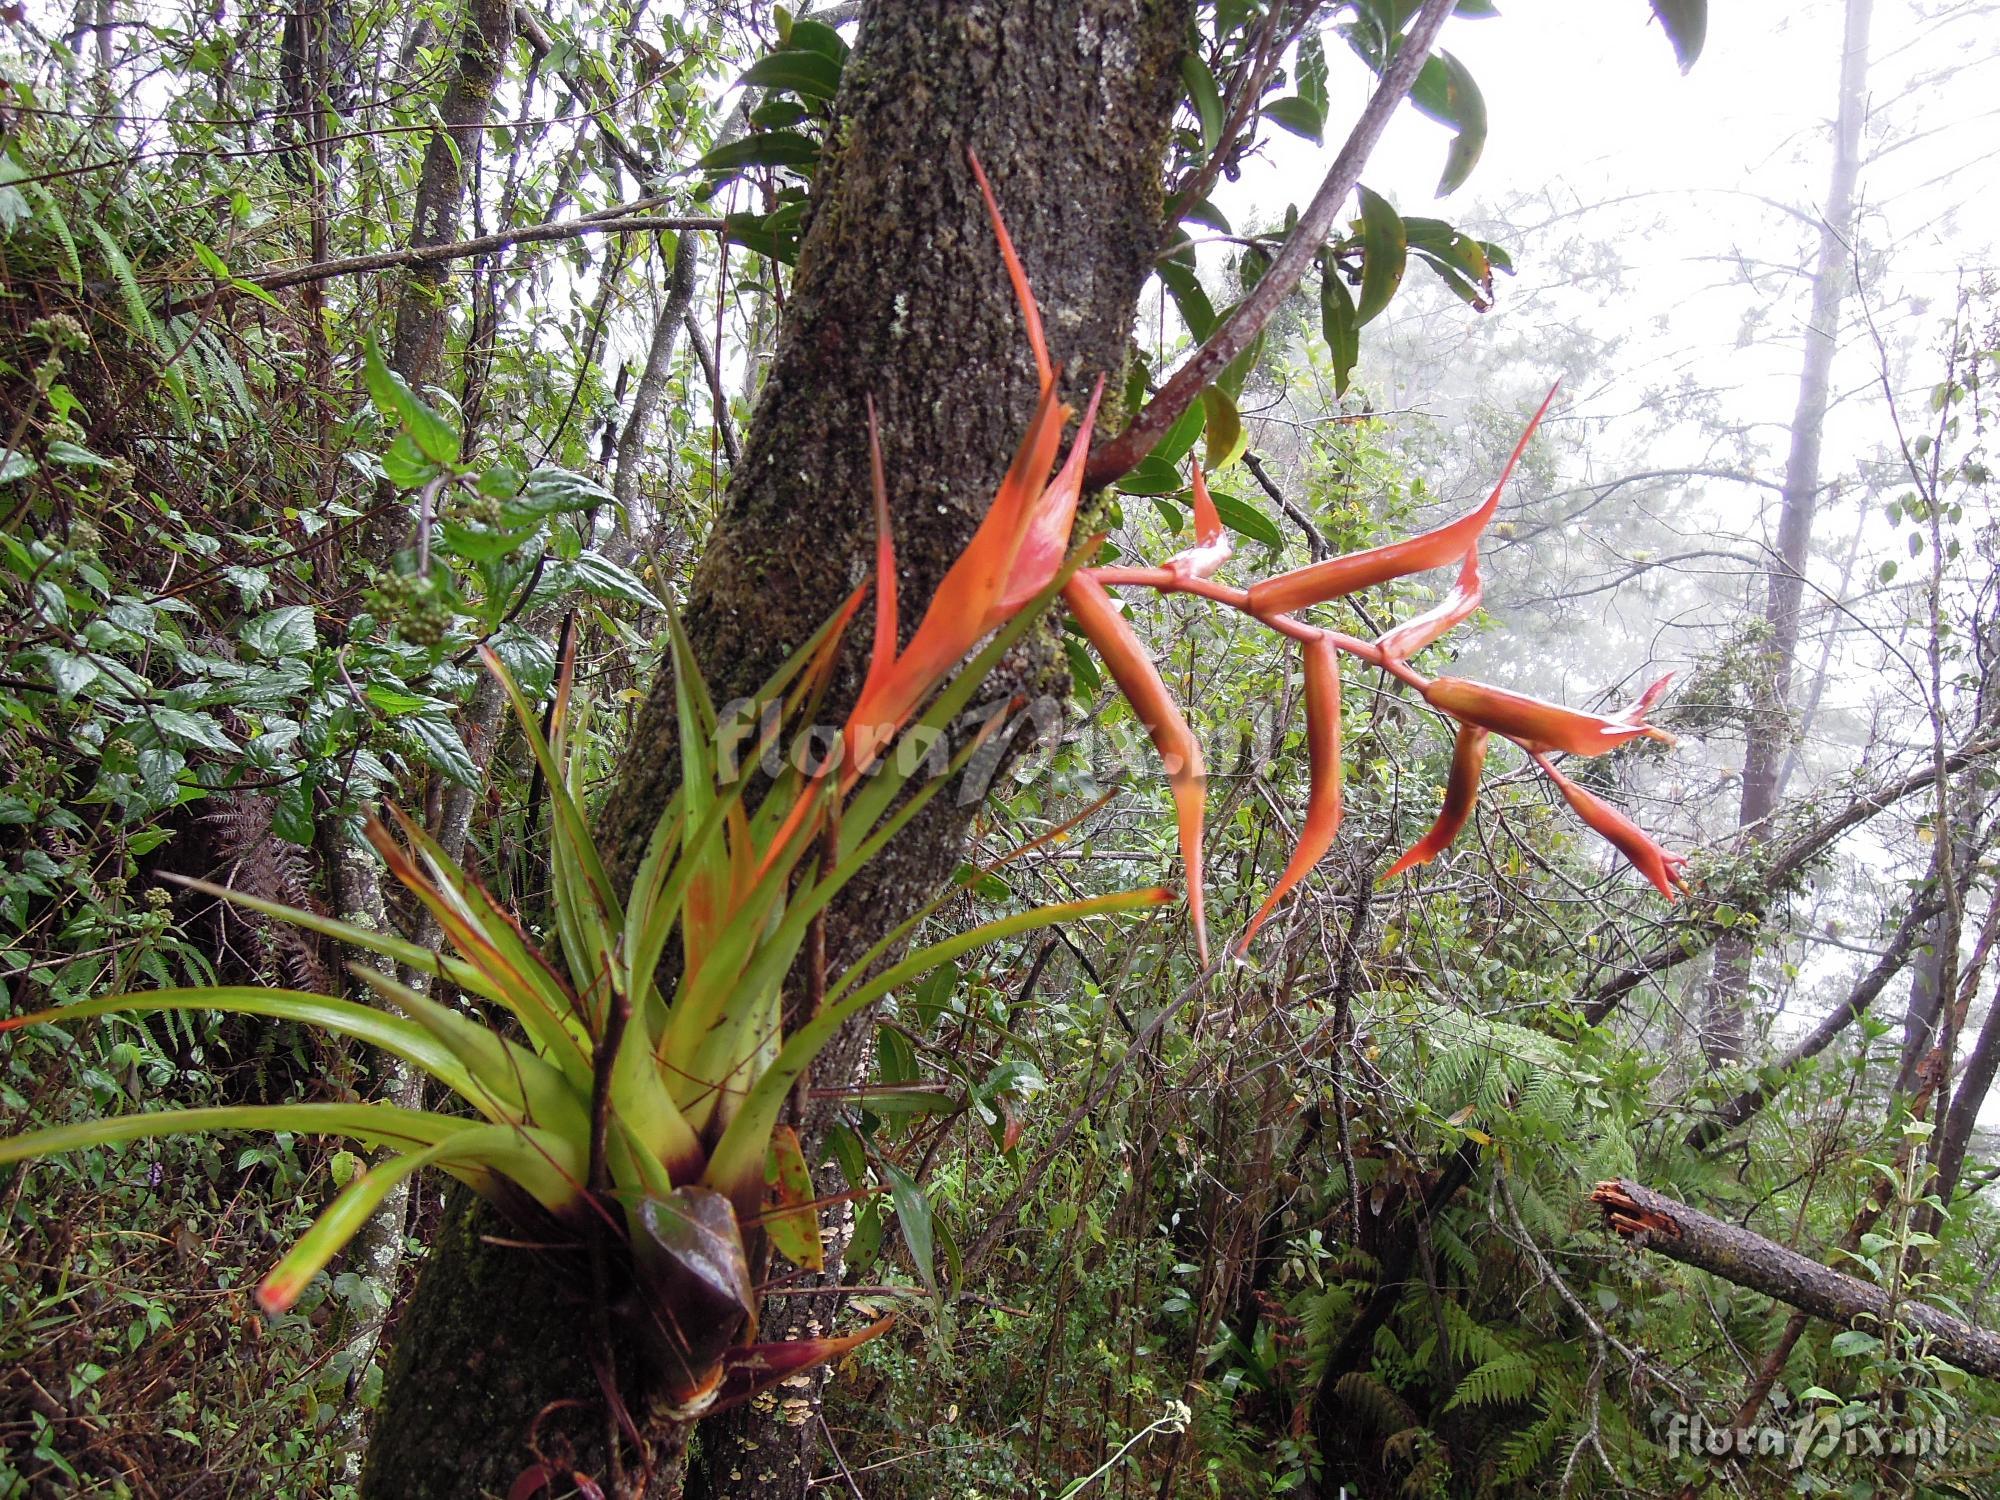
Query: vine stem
x=1118, y=456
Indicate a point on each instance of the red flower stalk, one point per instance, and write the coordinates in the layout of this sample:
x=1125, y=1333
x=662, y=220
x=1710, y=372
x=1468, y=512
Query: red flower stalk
x=1627, y=837
x=1322, y=821
x=1339, y=576
x=1139, y=680
x=1538, y=726
x=1461, y=794
x=1407, y=639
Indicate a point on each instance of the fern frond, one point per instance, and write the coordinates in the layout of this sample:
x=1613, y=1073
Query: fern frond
x=1511, y=1377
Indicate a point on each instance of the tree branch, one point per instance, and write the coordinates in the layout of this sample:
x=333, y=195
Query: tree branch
x=1316, y=542
x=1652, y=1221
x=1706, y=1133
x=624, y=218
x=1699, y=933
x=718, y=397
x=1118, y=456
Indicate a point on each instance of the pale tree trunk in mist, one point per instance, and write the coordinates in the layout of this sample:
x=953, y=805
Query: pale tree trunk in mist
x=1725, y=1006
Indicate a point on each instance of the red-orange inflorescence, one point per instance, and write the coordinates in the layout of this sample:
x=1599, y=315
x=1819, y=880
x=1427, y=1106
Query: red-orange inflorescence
x=1018, y=550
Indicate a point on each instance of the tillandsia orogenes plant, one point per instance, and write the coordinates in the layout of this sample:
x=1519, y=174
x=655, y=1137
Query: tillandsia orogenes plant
x=636, y=1109
x=647, y=1111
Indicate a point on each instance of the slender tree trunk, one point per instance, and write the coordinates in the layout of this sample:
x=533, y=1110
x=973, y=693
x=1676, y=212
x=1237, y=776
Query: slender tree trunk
x=646, y=396
x=1725, y=1008
x=420, y=305
x=899, y=295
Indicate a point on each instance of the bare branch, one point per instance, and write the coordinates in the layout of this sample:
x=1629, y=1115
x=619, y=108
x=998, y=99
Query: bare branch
x=1652, y=1221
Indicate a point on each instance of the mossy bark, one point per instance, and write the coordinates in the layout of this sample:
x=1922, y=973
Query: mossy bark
x=900, y=295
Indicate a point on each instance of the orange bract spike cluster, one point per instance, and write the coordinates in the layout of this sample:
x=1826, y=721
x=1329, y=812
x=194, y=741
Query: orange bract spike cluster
x=1018, y=550
x=1481, y=711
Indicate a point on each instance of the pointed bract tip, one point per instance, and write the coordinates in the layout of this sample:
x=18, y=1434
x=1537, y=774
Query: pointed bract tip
x=1031, y=315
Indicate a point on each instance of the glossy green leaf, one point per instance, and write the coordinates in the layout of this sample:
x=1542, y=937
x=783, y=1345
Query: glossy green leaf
x=1177, y=275
x=1152, y=475
x=1445, y=91
x=816, y=36
x=773, y=148
x=1227, y=437
x=1384, y=252
x=1246, y=520
x=439, y=744
x=1339, y=324
x=1298, y=116
x=1206, y=99
x=913, y=1217
x=799, y=70
x=1686, y=25
x=436, y=438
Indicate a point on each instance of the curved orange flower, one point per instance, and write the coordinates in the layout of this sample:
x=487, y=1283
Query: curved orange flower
x=1627, y=837
x=1323, y=807
x=1139, y=680
x=1212, y=547
x=1538, y=726
x=1407, y=639
x=1339, y=576
x=1461, y=795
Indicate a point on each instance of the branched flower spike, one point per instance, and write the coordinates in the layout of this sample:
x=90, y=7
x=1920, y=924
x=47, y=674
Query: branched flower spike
x=1480, y=711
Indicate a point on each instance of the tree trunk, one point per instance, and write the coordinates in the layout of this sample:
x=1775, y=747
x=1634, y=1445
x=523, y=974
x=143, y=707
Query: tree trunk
x=899, y=295
x=1724, y=1012
x=1652, y=1221
x=420, y=309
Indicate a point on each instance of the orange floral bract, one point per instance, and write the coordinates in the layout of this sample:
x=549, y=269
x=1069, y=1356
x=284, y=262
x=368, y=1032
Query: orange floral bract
x=1323, y=808
x=1339, y=576
x=1461, y=795
x=1139, y=680
x=1535, y=725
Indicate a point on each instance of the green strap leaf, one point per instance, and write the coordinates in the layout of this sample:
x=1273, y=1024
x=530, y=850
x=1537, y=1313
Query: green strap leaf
x=371, y=1124
x=394, y=1035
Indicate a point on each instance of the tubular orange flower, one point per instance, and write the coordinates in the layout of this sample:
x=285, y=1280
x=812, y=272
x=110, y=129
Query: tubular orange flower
x=1407, y=639
x=1538, y=726
x=1340, y=576
x=1461, y=793
x=1046, y=541
x=1139, y=680
x=1627, y=837
x=1211, y=547
x=1322, y=821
